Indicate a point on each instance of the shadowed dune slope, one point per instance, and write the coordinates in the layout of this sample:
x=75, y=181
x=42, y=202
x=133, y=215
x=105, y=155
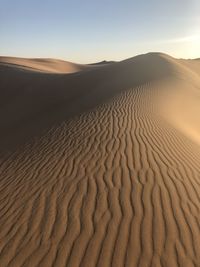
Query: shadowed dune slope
x=101, y=167
x=27, y=95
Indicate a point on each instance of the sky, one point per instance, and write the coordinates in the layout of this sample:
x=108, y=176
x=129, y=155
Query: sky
x=93, y=30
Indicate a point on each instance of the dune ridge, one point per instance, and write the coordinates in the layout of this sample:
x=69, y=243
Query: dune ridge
x=98, y=171
x=44, y=64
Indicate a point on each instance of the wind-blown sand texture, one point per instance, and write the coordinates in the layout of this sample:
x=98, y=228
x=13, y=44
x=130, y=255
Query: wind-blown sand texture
x=100, y=167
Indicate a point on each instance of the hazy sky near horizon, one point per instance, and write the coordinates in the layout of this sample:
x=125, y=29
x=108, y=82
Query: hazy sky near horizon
x=89, y=30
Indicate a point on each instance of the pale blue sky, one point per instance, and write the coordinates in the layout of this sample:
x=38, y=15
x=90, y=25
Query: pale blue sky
x=89, y=30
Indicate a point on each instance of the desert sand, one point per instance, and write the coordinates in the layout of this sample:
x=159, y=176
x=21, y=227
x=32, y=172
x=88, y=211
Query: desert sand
x=44, y=65
x=100, y=164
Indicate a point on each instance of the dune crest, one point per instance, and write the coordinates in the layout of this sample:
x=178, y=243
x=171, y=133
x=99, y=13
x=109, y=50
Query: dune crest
x=101, y=167
x=43, y=65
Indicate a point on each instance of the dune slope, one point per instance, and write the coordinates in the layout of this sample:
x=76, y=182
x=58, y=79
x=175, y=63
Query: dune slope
x=101, y=167
x=43, y=65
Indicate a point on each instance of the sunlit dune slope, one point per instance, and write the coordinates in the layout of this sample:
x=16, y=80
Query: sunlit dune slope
x=44, y=64
x=101, y=167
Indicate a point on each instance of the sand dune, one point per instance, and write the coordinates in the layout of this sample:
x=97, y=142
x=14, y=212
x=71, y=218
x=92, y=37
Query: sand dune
x=101, y=167
x=44, y=65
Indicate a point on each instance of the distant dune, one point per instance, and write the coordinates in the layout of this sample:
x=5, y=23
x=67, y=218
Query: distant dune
x=100, y=164
x=43, y=65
